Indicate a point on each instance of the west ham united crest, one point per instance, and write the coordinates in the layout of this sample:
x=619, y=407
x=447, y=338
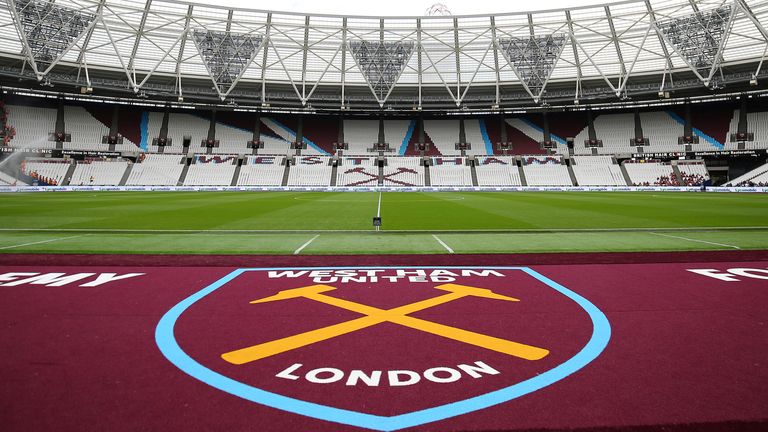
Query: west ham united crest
x=383, y=348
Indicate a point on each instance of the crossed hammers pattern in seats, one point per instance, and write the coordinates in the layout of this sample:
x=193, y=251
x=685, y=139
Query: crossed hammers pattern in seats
x=374, y=178
x=374, y=315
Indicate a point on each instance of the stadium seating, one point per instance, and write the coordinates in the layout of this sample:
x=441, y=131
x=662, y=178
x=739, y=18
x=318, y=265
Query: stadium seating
x=403, y=171
x=615, y=130
x=8, y=180
x=231, y=140
x=261, y=171
x=310, y=171
x=360, y=135
x=546, y=171
x=285, y=136
x=33, y=126
x=357, y=171
x=54, y=170
x=211, y=171
x=597, y=171
x=450, y=171
x=749, y=177
x=156, y=170
x=395, y=132
x=647, y=173
x=497, y=171
x=444, y=134
x=98, y=173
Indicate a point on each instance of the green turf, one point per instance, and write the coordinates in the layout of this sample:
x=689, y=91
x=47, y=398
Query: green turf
x=480, y=222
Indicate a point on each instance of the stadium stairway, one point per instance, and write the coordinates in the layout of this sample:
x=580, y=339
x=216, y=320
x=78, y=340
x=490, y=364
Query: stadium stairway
x=236, y=175
x=427, y=179
x=523, y=181
x=676, y=170
x=184, y=171
x=70, y=172
x=624, y=172
x=473, y=173
x=571, y=173
x=126, y=175
x=334, y=172
x=286, y=173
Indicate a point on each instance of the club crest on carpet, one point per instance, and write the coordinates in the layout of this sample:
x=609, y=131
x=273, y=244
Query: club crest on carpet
x=383, y=348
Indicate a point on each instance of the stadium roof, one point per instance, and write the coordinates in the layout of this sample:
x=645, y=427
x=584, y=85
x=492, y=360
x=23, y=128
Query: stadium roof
x=174, y=48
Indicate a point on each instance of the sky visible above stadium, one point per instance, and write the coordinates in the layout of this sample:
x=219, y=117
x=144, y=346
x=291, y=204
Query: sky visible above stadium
x=405, y=7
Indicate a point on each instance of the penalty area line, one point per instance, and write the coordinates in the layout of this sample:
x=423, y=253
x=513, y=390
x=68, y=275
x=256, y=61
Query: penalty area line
x=41, y=242
x=301, y=248
x=694, y=240
x=442, y=243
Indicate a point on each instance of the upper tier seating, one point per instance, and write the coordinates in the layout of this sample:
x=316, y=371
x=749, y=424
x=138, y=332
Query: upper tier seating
x=615, y=130
x=156, y=170
x=497, y=171
x=33, y=126
x=360, y=136
x=98, y=173
x=286, y=136
x=444, y=134
x=87, y=131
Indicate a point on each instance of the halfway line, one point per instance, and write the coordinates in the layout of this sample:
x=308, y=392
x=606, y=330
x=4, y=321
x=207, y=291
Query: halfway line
x=297, y=251
x=41, y=242
x=694, y=240
x=448, y=248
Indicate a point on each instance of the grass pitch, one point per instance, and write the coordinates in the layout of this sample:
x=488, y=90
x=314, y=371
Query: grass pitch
x=340, y=223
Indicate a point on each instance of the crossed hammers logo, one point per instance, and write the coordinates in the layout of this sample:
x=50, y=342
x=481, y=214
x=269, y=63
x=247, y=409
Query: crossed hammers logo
x=375, y=177
x=374, y=315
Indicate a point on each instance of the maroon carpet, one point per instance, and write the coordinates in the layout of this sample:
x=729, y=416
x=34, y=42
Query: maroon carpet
x=686, y=352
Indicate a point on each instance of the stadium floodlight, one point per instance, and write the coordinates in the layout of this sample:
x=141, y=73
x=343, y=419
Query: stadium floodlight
x=699, y=39
x=49, y=31
x=381, y=64
x=533, y=59
x=226, y=56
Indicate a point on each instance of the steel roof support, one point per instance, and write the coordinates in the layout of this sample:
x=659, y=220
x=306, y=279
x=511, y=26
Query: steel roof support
x=615, y=40
x=495, y=60
x=457, y=51
x=575, y=54
x=418, y=55
x=267, y=42
x=343, y=60
x=139, y=34
x=304, y=62
x=181, y=52
x=668, y=58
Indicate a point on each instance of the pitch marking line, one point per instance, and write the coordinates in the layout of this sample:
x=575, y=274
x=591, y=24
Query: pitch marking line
x=356, y=231
x=442, y=243
x=41, y=242
x=694, y=240
x=301, y=248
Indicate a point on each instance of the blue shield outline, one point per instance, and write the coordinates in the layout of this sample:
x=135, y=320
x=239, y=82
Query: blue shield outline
x=166, y=341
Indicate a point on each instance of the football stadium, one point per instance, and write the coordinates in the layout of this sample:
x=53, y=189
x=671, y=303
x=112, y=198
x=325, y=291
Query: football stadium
x=227, y=216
